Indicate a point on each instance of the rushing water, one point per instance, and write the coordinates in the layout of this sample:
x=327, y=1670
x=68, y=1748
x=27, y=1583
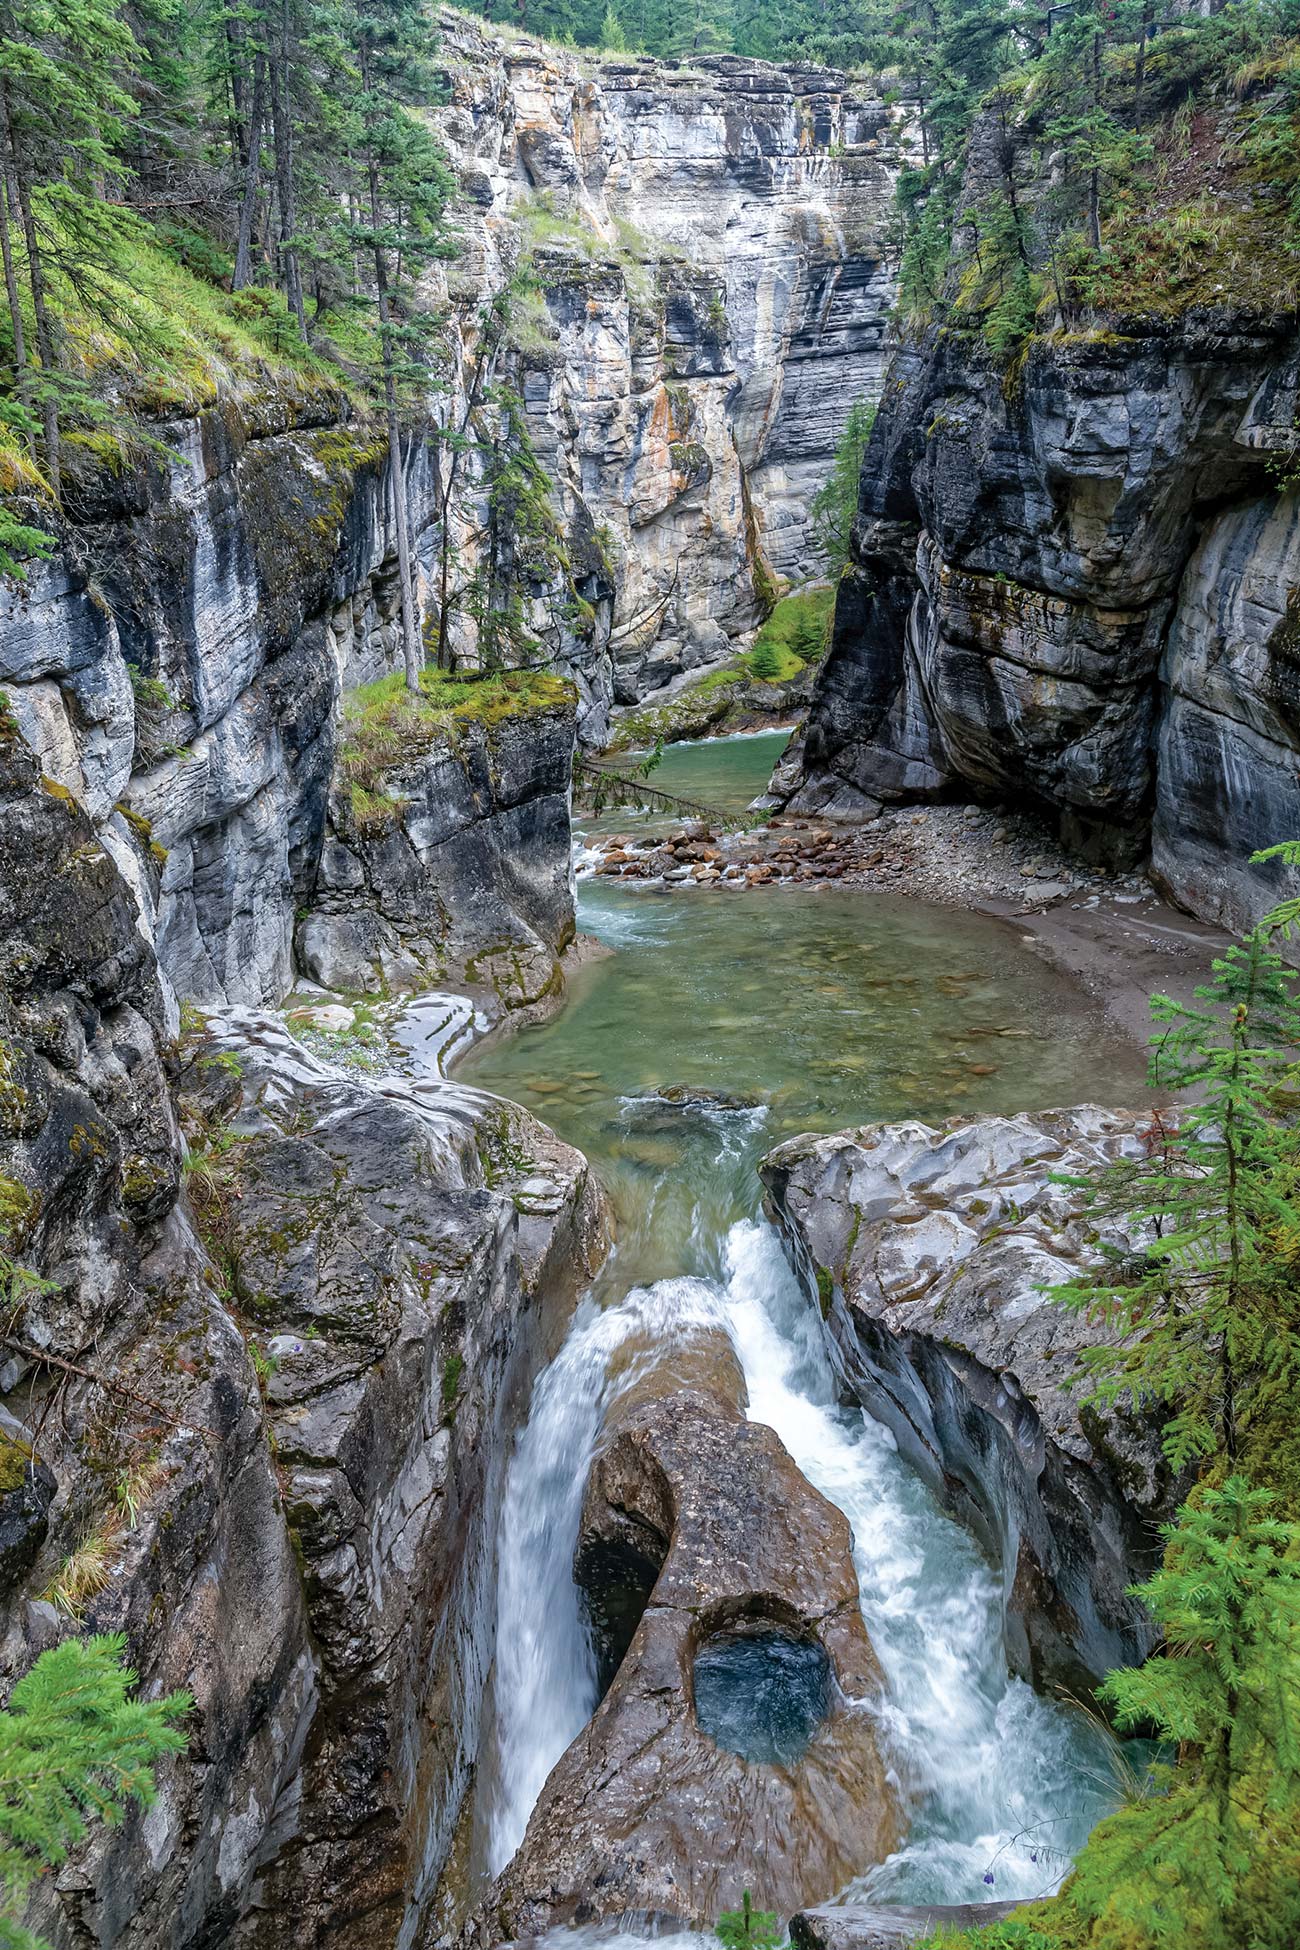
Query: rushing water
x=818, y=1010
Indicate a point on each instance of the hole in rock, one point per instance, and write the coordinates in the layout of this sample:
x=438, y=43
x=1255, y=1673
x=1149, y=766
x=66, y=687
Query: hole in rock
x=762, y=1693
x=616, y=1579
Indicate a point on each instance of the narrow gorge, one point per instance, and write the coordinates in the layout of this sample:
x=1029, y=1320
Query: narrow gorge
x=623, y=660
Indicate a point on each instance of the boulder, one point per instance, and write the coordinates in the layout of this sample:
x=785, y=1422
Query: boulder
x=886, y=1926
x=703, y=1551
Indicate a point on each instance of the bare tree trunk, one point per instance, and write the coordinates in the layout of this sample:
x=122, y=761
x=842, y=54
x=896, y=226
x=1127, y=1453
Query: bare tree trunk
x=1140, y=68
x=22, y=377
x=1094, y=179
x=252, y=177
x=397, y=470
x=36, y=278
x=282, y=118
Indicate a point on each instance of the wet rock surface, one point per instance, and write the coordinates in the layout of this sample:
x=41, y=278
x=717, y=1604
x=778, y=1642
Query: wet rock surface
x=883, y=1926
x=929, y=1248
x=1081, y=596
x=702, y=1518
x=956, y=854
x=302, y=1369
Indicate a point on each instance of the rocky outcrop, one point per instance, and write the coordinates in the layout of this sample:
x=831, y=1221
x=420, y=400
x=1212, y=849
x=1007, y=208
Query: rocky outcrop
x=700, y=1537
x=187, y=680
x=459, y=872
x=1077, y=587
x=691, y=268
x=708, y=245
x=179, y=666
x=931, y=1250
x=267, y=1448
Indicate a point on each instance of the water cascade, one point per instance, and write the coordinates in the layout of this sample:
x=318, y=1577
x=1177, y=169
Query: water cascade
x=999, y=1785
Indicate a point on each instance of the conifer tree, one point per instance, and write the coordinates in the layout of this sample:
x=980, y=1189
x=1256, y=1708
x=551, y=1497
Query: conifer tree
x=1210, y=1859
x=1203, y=1309
x=836, y=502
x=63, y=108
x=74, y=1744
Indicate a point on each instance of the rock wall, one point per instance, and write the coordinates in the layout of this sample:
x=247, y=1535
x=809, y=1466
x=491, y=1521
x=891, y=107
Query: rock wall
x=1078, y=588
x=464, y=876
x=709, y=245
x=705, y=295
x=930, y=1249
x=181, y=665
x=259, y=1427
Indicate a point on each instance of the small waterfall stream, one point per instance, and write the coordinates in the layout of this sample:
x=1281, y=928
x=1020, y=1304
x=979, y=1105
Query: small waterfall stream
x=817, y=1011
x=997, y=1780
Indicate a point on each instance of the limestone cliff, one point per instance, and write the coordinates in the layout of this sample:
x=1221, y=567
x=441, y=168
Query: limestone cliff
x=259, y=1426
x=1079, y=587
x=705, y=294
x=709, y=248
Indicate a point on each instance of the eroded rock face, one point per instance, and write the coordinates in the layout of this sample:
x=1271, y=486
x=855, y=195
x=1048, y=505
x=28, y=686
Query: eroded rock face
x=183, y=681
x=710, y=335
x=1080, y=589
x=282, y=1430
x=645, y=1812
x=930, y=1247
x=468, y=880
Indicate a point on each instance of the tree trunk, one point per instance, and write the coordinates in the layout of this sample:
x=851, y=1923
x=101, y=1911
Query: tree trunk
x=282, y=118
x=410, y=624
x=36, y=277
x=252, y=177
x=397, y=470
x=1094, y=178
x=22, y=377
x=1140, y=68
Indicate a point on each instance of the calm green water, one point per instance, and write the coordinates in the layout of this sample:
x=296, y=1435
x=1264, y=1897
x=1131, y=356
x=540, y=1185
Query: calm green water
x=726, y=773
x=825, y=1009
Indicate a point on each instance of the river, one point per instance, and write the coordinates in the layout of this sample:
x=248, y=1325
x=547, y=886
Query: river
x=810, y=1010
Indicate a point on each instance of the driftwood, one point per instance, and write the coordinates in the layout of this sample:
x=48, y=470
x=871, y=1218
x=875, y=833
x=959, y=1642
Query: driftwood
x=598, y=786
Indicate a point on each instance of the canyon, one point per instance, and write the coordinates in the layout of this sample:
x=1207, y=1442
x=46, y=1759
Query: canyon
x=448, y=1436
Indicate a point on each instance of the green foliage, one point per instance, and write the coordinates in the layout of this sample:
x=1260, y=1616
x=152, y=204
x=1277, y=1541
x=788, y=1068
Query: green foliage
x=836, y=502
x=1202, y=1309
x=748, y=1928
x=386, y=727
x=793, y=636
x=1164, y=156
x=74, y=1745
x=1212, y=1860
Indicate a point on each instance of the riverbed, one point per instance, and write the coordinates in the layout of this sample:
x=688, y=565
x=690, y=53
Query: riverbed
x=717, y=1025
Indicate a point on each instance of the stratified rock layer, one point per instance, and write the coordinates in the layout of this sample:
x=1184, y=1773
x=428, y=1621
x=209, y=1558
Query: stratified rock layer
x=1081, y=589
x=932, y=1249
x=464, y=876
x=268, y=1449
x=709, y=243
x=644, y=1812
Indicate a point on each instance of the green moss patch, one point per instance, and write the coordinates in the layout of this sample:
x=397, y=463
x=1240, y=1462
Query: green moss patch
x=387, y=727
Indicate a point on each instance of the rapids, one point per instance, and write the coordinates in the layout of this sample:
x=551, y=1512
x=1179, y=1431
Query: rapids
x=816, y=1011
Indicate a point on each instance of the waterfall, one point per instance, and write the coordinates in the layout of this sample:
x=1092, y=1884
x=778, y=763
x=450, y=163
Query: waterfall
x=997, y=1781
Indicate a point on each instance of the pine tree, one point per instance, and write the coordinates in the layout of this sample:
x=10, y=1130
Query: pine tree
x=1204, y=1309
x=836, y=502
x=1210, y=1859
x=63, y=110
x=74, y=1744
